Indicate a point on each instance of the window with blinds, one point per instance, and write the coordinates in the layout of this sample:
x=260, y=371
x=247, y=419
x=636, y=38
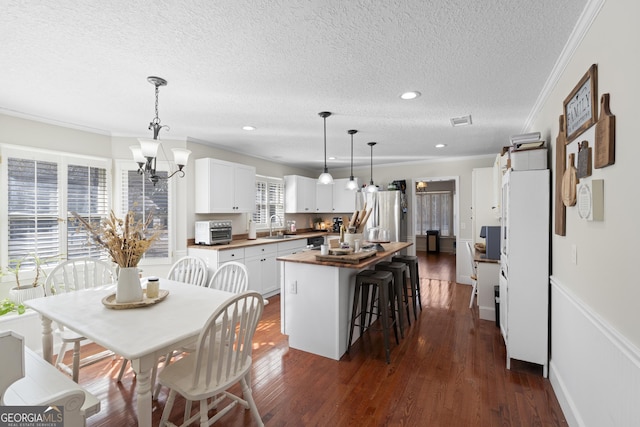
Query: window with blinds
x=269, y=201
x=33, y=207
x=434, y=212
x=38, y=186
x=142, y=197
x=87, y=196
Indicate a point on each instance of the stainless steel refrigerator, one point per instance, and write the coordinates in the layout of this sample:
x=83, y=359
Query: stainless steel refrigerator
x=389, y=212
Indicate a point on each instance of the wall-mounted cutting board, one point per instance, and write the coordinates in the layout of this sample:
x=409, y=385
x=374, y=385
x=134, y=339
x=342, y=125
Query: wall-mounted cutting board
x=605, y=135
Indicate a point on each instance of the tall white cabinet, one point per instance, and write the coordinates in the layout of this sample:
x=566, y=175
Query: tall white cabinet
x=524, y=266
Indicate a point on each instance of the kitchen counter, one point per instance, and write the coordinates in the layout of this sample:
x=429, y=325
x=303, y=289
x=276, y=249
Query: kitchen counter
x=244, y=243
x=309, y=257
x=316, y=299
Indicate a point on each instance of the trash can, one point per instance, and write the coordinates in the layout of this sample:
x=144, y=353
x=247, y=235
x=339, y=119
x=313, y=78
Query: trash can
x=433, y=241
x=496, y=295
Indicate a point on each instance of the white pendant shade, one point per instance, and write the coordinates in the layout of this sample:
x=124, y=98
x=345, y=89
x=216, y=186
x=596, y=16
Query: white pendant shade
x=181, y=156
x=371, y=188
x=149, y=147
x=351, y=185
x=137, y=154
x=325, y=178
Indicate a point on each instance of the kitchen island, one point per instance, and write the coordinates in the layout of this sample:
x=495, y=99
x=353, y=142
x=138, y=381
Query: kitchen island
x=316, y=298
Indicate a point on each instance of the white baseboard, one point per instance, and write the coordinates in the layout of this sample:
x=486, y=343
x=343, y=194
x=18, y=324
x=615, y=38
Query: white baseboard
x=594, y=370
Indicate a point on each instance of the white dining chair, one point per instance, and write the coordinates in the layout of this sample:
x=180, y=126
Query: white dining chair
x=71, y=276
x=474, y=275
x=230, y=277
x=189, y=269
x=221, y=360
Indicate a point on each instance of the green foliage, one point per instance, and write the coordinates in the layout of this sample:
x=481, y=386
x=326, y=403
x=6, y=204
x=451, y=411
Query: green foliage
x=8, y=306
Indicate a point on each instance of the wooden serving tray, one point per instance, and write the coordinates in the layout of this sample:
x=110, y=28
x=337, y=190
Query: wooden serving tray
x=110, y=301
x=349, y=259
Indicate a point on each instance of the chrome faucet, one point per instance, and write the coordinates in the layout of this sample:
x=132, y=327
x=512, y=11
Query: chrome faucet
x=271, y=218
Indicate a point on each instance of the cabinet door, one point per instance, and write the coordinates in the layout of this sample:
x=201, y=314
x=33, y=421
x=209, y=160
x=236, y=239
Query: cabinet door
x=254, y=268
x=324, y=198
x=344, y=201
x=244, y=189
x=300, y=194
x=270, y=275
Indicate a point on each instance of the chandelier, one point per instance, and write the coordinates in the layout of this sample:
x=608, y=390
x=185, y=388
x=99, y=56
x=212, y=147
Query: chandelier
x=146, y=153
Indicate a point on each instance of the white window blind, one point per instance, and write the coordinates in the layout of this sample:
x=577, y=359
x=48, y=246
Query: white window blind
x=87, y=195
x=269, y=200
x=142, y=197
x=435, y=212
x=32, y=209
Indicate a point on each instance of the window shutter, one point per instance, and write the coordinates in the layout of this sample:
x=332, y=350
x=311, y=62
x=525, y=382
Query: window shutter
x=142, y=197
x=33, y=209
x=87, y=195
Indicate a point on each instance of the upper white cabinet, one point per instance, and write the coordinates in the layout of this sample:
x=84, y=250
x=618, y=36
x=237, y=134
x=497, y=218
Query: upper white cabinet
x=344, y=201
x=300, y=194
x=305, y=195
x=224, y=187
x=324, y=197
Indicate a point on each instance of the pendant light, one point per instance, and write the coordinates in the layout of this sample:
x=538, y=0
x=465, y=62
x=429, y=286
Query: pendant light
x=325, y=177
x=371, y=188
x=146, y=153
x=352, y=184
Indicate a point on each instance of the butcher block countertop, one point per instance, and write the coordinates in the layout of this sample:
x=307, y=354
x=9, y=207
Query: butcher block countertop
x=243, y=243
x=309, y=257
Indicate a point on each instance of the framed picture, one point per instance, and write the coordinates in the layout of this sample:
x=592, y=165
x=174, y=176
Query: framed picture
x=581, y=107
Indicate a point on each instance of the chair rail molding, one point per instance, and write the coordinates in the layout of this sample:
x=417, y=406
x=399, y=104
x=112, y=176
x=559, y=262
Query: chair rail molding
x=594, y=370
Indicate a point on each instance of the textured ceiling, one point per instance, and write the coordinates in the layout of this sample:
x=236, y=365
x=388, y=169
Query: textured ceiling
x=274, y=64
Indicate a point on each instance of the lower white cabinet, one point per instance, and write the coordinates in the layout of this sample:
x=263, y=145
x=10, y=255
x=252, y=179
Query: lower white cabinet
x=261, y=265
x=260, y=260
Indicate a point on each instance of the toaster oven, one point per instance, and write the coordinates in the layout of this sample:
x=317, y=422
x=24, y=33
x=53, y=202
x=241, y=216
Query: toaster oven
x=213, y=232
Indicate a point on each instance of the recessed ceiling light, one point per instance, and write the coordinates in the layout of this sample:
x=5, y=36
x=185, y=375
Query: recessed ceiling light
x=461, y=121
x=441, y=145
x=332, y=158
x=248, y=128
x=410, y=95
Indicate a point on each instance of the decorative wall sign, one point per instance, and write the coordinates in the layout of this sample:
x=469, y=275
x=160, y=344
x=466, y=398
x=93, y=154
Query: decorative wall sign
x=580, y=107
x=605, y=135
x=561, y=165
x=591, y=200
x=584, y=159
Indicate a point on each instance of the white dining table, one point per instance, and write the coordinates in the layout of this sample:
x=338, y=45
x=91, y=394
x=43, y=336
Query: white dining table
x=142, y=334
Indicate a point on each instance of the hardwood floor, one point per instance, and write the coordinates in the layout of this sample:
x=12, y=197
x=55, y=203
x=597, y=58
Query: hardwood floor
x=448, y=371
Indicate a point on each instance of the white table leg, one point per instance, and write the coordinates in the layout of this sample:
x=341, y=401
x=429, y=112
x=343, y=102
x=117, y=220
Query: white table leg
x=47, y=339
x=142, y=368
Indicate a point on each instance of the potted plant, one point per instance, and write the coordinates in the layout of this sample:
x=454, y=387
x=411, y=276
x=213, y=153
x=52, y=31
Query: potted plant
x=8, y=306
x=126, y=240
x=24, y=291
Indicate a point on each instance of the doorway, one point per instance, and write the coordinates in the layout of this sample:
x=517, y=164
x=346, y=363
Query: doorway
x=435, y=213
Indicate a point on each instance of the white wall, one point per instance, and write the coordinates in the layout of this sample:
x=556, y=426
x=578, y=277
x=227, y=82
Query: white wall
x=604, y=282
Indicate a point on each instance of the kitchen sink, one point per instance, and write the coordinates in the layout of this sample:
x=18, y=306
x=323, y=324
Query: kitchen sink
x=278, y=237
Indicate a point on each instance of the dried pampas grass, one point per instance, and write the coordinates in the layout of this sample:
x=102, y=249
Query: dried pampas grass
x=124, y=239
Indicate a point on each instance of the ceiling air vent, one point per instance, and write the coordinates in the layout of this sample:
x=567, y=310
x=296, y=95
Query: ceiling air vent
x=461, y=121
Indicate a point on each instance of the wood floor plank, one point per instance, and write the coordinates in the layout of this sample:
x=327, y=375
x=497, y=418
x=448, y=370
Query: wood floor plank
x=449, y=370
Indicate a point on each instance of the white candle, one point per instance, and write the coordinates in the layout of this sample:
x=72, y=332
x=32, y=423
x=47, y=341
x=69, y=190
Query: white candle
x=153, y=287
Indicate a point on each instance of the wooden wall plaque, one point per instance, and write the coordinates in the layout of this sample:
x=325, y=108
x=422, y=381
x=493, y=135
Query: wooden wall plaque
x=584, y=159
x=605, y=135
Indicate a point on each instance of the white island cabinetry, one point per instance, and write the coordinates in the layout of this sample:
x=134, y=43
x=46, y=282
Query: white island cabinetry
x=224, y=187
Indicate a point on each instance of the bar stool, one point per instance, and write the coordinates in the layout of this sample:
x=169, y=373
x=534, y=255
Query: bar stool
x=399, y=270
x=381, y=281
x=412, y=262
